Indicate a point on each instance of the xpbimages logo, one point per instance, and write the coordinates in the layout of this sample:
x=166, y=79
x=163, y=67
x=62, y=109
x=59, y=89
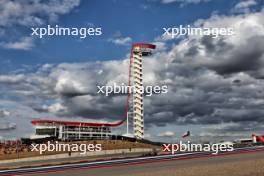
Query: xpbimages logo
x=82, y=32
x=174, y=32
x=61, y=147
x=125, y=89
x=191, y=147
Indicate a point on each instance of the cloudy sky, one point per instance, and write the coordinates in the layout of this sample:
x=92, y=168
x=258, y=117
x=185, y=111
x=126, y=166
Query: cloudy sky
x=215, y=85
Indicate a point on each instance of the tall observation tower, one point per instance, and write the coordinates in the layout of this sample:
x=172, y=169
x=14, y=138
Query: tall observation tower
x=135, y=98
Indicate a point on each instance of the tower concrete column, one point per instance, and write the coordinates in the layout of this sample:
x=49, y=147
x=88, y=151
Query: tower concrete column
x=136, y=81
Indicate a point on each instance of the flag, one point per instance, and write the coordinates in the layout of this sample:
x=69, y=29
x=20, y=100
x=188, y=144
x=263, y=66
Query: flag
x=186, y=134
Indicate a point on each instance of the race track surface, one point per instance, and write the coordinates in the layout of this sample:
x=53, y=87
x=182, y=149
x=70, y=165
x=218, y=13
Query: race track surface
x=246, y=162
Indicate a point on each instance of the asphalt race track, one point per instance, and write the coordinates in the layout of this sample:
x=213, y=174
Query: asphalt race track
x=135, y=166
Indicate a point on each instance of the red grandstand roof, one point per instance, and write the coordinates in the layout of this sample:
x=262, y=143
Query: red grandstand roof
x=34, y=122
x=144, y=45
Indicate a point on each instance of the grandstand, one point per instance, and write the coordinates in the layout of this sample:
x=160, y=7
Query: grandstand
x=65, y=130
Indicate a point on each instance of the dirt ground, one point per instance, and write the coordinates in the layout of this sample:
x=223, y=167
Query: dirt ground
x=106, y=145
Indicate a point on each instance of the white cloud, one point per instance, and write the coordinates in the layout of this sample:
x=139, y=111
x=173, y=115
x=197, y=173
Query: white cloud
x=14, y=78
x=121, y=40
x=7, y=126
x=184, y=2
x=244, y=6
x=4, y=113
x=24, y=43
x=26, y=14
x=57, y=108
x=166, y=134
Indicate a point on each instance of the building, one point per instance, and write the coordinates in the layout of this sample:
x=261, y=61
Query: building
x=66, y=130
x=244, y=141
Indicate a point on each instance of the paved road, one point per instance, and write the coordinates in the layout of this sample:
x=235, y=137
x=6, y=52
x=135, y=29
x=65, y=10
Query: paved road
x=140, y=165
